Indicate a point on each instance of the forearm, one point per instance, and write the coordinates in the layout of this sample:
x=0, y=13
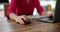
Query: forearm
x=38, y=6
x=11, y=9
x=12, y=16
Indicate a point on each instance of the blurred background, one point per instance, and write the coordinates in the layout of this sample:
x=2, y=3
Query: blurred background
x=48, y=5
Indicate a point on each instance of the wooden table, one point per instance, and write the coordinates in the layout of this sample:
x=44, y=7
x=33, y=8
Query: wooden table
x=35, y=26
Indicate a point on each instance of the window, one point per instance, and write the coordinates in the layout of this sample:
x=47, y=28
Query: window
x=45, y=3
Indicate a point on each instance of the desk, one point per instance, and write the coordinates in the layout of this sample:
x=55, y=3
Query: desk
x=35, y=26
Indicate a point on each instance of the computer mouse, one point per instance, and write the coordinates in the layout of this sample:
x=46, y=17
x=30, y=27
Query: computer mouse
x=26, y=22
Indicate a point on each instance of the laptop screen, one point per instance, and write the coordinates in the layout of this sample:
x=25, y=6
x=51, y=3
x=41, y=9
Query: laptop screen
x=57, y=12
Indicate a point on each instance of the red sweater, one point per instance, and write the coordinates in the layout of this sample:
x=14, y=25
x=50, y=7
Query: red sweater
x=21, y=7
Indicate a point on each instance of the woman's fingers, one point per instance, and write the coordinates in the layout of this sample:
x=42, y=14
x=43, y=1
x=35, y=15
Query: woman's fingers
x=19, y=20
x=24, y=17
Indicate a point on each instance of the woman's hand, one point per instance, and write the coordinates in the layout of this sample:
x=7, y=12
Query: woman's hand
x=19, y=19
x=52, y=14
x=47, y=14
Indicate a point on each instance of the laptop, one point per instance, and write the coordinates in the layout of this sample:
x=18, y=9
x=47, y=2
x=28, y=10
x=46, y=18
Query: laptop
x=56, y=17
x=57, y=12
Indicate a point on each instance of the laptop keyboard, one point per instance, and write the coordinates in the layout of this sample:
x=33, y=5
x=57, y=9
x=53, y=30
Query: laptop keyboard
x=42, y=18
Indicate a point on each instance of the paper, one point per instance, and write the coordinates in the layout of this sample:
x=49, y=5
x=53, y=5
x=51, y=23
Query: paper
x=4, y=25
x=1, y=14
x=3, y=21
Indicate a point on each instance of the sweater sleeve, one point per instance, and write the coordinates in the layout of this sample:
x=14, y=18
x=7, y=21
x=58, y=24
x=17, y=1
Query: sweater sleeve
x=38, y=6
x=12, y=7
